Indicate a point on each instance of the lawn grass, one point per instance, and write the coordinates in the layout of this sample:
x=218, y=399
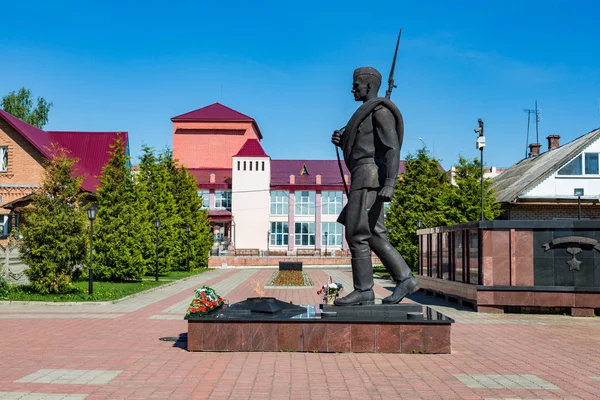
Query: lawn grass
x=381, y=271
x=103, y=291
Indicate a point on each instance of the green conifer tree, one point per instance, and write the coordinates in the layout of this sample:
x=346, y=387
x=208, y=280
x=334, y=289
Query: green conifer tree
x=464, y=200
x=198, y=240
x=117, y=241
x=55, y=228
x=156, y=200
x=420, y=195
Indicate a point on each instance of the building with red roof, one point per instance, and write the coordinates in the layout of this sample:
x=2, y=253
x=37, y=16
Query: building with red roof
x=256, y=203
x=24, y=150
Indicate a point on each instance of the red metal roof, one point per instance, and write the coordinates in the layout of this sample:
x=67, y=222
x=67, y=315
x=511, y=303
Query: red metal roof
x=328, y=169
x=37, y=137
x=219, y=215
x=202, y=175
x=216, y=112
x=251, y=148
x=92, y=151
x=91, y=148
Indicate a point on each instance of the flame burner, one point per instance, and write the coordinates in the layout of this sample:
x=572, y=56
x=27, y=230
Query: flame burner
x=264, y=305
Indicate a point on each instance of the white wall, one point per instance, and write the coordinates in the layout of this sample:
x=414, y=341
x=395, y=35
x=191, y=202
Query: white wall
x=563, y=185
x=250, y=202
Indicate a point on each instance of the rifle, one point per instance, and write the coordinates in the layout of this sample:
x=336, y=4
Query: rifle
x=388, y=94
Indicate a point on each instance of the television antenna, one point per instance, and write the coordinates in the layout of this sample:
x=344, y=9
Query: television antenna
x=535, y=111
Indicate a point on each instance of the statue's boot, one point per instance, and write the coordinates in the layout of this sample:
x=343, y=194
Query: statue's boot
x=403, y=288
x=394, y=263
x=362, y=275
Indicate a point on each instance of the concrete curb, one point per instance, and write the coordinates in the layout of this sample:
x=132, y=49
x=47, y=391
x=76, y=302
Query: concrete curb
x=92, y=303
x=232, y=267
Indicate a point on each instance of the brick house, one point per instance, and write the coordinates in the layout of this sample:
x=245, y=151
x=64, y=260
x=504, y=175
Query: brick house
x=560, y=183
x=23, y=152
x=255, y=203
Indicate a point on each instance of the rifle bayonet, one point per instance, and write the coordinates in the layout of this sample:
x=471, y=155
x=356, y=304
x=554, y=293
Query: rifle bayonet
x=391, y=85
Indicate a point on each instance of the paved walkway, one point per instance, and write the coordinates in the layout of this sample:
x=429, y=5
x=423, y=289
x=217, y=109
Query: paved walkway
x=113, y=351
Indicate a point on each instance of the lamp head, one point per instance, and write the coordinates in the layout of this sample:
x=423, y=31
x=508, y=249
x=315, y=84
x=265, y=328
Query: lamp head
x=91, y=212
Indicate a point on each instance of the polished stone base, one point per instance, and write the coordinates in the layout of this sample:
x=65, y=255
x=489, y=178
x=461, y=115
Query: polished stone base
x=391, y=329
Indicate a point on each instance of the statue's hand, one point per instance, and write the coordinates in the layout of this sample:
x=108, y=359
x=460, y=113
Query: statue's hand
x=336, y=138
x=386, y=193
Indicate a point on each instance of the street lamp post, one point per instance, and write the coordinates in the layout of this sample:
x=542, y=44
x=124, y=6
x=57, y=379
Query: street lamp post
x=189, y=228
x=480, y=144
x=157, y=225
x=326, y=241
x=92, y=216
x=268, y=243
x=419, y=224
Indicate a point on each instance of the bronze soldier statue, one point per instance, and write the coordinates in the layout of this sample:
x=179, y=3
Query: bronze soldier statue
x=371, y=144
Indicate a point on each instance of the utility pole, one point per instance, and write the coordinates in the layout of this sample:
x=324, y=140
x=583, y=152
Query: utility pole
x=480, y=144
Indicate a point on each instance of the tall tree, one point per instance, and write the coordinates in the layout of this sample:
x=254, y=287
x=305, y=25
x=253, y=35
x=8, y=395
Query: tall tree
x=464, y=200
x=20, y=105
x=55, y=229
x=189, y=208
x=117, y=239
x=421, y=193
x=153, y=188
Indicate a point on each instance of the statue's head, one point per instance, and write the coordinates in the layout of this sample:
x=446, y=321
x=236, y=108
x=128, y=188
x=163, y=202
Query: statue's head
x=367, y=81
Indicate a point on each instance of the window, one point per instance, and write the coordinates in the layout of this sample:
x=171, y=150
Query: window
x=3, y=158
x=263, y=165
x=332, y=203
x=279, y=233
x=250, y=166
x=572, y=168
x=244, y=165
x=331, y=234
x=279, y=202
x=205, y=194
x=304, y=234
x=4, y=228
x=238, y=165
x=591, y=163
x=223, y=199
x=305, y=203
x=257, y=165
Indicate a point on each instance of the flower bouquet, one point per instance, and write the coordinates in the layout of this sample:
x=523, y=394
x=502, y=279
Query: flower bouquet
x=205, y=300
x=330, y=291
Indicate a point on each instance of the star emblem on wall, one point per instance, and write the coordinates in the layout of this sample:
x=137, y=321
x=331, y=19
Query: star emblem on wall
x=574, y=245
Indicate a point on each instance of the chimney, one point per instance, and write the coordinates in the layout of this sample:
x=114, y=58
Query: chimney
x=534, y=149
x=553, y=142
x=212, y=178
x=292, y=179
x=318, y=179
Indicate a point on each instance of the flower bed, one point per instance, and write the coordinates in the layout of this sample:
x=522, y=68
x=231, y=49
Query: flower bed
x=205, y=300
x=290, y=278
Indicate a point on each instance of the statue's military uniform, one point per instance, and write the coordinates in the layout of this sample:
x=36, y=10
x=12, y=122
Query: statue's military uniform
x=371, y=142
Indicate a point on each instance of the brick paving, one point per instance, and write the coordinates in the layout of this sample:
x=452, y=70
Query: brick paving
x=493, y=356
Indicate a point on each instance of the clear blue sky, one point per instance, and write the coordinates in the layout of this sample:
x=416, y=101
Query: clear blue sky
x=132, y=65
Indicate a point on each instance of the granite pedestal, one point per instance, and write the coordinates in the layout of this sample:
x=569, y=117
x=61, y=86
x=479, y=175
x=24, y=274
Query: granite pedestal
x=267, y=324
